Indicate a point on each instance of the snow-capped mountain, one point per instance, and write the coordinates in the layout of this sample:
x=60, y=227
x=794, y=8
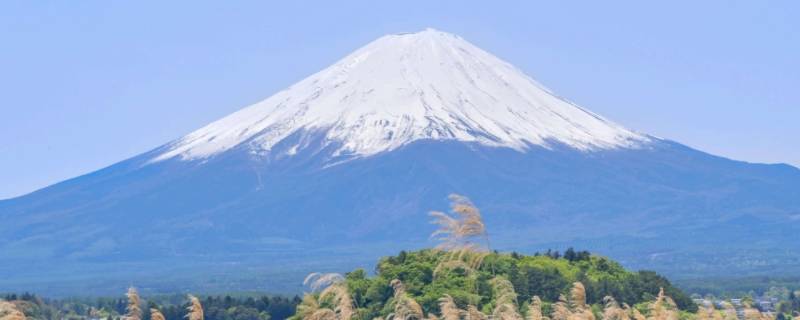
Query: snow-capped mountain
x=342, y=168
x=407, y=87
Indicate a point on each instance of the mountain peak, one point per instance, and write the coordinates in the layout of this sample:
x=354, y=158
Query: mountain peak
x=402, y=88
x=427, y=31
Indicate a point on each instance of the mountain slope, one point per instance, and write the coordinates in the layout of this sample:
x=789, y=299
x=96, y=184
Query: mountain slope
x=314, y=179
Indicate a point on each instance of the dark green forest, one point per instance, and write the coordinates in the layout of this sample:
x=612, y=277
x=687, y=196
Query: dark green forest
x=228, y=307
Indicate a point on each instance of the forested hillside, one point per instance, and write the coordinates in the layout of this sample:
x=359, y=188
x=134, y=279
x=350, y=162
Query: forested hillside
x=427, y=280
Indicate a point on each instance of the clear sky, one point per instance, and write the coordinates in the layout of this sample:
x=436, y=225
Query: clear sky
x=84, y=84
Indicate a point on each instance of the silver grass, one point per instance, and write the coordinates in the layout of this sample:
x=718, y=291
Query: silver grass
x=535, y=309
x=474, y=314
x=317, y=281
x=612, y=310
x=505, y=300
x=134, y=310
x=341, y=300
x=405, y=307
x=156, y=315
x=195, y=309
x=10, y=311
x=448, y=308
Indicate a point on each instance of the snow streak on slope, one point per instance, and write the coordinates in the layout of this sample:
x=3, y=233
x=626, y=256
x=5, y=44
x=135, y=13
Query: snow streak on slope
x=406, y=87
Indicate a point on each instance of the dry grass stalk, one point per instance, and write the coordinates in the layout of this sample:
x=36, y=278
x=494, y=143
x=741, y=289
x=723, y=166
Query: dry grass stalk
x=195, y=309
x=459, y=234
x=462, y=227
x=561, y=309
x=310, y=309
x=341, y=300
x=637, y=315
x=405, y=307
x=613, y=311
x=535, y=309
x=505, y=300
x=134, y=310
x=322, y=314
x=334, y=291
x=580, y=311
x=448, y=308
x=582, y=314
x=506, y=312
x=633, y=313
x=448, y=264
x=469, y=258
x=578, y=296
x=474, y=314
x=156, y=315
x=317, y=281
x=663, y=308
x=307, y=307
x=503, y=291
x=10, y=311
x=574, y=308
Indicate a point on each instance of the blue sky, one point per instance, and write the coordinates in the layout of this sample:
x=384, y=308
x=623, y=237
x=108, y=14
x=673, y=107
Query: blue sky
x=86, y=84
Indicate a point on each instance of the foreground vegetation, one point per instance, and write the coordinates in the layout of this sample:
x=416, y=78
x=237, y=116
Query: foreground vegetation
x=171, y=307
x=427, y=281
x=462, y=278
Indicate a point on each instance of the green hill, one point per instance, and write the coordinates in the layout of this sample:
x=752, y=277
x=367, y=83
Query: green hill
x=545, y=276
